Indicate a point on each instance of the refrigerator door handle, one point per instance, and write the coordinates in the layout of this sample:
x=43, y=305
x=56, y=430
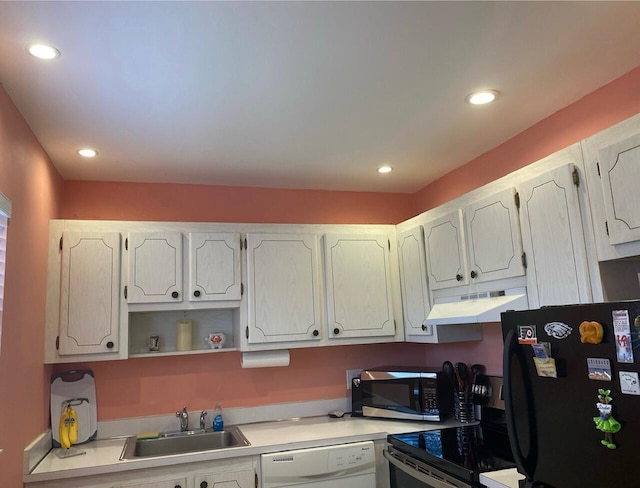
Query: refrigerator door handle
x=525, y=464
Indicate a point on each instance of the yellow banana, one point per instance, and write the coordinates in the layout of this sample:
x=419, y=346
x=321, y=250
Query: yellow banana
x=73, y=425
x=63, y=430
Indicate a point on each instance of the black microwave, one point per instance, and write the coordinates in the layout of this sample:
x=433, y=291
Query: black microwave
x=401, y=392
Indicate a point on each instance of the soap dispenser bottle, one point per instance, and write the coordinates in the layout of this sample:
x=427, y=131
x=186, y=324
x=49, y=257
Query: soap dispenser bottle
x=218, y=422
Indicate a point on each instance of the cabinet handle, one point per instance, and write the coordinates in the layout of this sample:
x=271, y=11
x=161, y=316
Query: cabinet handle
x=474, y=274
x=204, y=484
x=174, y=294
x=459, y=277
x=110, y=345
x=315, y=333
x=196, y=294
x=336, y=331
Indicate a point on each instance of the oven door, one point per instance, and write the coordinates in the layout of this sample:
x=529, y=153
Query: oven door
x=407, y=472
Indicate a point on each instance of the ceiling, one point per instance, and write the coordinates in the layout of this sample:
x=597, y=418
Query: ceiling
x=311, y=95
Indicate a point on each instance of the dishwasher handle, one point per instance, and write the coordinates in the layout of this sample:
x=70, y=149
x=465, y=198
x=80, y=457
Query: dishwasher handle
x=421, y=476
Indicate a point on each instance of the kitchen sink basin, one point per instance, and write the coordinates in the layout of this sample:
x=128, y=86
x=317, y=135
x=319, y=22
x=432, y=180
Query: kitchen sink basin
x=183, y=442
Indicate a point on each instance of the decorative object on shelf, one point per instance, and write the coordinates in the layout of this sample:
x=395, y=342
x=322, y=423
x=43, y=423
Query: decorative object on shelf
x=215, y=340
x=605, y=422
x=184, y=328
x=153, y=343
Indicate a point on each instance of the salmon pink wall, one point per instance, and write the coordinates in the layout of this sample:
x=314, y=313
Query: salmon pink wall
x=602, y=108
x=200, y=203
x=30, y=181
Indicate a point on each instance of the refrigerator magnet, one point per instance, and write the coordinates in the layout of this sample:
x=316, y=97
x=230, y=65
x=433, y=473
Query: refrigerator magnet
x=622, y=332
x=591, y=332
x=527, y=334
x=542, y=350
x=629, y=383
x=546, y=367
x=599, y=369
x=605, y=421
x=558, y=330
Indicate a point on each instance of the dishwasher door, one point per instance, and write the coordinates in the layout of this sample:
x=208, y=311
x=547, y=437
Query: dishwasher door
x=352, y=465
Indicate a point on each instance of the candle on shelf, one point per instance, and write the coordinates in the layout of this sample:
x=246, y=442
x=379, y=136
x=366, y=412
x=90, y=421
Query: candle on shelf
x=183, y=335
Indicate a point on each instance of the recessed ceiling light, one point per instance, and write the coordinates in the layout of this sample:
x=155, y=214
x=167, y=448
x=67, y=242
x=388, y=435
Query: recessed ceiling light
x=384, y=169
x=43, y=51
x=88, y=153
x=481, y=97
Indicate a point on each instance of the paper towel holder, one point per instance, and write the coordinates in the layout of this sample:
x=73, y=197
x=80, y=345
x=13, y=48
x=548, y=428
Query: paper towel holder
x=265, y=359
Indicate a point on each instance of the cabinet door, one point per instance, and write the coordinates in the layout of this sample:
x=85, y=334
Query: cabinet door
x=158, y=483
x=553, y=239
x=283, y=291
x=620, y=173
x=231, y=479
x=445, y=249
x=90, y=293
x=493, y=236
x=359, y=299
x=413, y=280
x=214, y=266
x=155, y=267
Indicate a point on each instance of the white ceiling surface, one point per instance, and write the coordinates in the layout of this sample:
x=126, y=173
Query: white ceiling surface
x=309, y=95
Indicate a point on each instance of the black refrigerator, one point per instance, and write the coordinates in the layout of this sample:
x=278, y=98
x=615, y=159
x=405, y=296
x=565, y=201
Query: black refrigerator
x=572, y=394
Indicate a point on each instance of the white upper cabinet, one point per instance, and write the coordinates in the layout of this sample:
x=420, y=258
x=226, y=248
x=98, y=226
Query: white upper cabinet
x=214, y=266
x=553, y=239
x=283, y=288
x=486, y=248
x=358, y=282
x=89, y=293
x=493, y=235
x=155, y=267
x=445, y=249
x=413, y=281
x=620, y=173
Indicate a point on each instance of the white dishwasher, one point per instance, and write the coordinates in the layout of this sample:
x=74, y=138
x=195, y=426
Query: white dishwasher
x=352, y=465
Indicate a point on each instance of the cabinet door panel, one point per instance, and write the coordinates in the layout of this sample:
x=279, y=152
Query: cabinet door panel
x=155, y=267
x=283, y=293
x=158, y=483
x=553, y=238
x=493, y=231
x=227, y=479
x=620, y=173
x=90, y=289
x=214, y=266
x=445, y=249
x=359, y=297
x=413, y=279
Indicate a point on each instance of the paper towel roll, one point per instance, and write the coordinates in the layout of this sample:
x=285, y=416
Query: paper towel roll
x=265, y=359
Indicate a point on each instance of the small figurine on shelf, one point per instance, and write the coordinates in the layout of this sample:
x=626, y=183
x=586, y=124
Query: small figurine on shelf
x=605, y=422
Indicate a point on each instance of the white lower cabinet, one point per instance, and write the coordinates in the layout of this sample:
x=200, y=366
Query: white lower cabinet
x=227, y=473
x=157, y=483
x=229, y=479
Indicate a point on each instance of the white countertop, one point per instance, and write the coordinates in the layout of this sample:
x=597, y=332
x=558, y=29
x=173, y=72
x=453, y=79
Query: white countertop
x=507, y=478
x=103, y=456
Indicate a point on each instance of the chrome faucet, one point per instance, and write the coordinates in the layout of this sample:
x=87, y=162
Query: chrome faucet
x=183, y=415
x=203, y=420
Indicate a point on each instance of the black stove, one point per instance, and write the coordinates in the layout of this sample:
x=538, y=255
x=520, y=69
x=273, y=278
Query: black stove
x=452, y=456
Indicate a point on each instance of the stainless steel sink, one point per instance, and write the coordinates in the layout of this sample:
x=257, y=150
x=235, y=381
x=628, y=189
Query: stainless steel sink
x=181, y=442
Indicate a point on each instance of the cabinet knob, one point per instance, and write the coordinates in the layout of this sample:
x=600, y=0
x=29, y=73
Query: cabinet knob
x=196, y=294
x=473, y=274
x=174, y=294
x=424, y=327
x=336, y=331
x=177, y=486
x=316, y=333
x=110, y=345
x=459, y=277
x=204, y=484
